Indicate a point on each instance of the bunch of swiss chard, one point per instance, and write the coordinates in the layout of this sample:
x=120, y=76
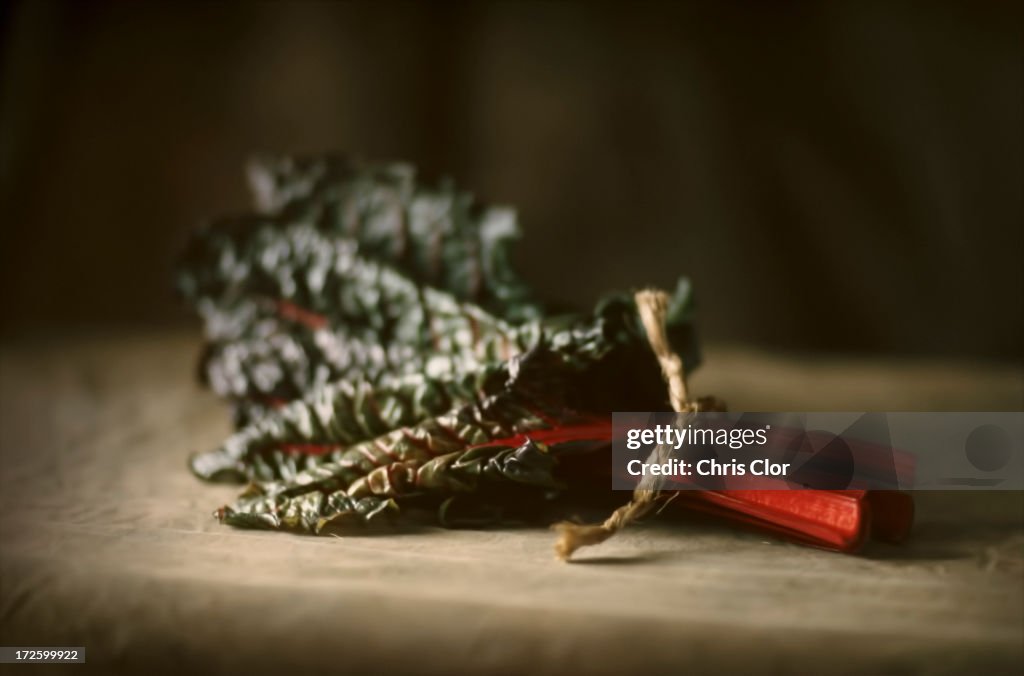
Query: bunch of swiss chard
x=379, y=350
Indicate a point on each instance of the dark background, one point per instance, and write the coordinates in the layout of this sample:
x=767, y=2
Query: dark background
x=833, y=177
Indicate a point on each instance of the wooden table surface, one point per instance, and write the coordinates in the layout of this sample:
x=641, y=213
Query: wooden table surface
x=107, y=542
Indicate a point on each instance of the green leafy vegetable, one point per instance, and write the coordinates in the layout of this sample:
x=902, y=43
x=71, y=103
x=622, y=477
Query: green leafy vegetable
x=379, y=348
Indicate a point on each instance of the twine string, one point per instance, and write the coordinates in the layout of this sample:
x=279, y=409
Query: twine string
x=652, y=306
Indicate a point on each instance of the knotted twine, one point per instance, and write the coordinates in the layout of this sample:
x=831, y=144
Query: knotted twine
x=652, y=306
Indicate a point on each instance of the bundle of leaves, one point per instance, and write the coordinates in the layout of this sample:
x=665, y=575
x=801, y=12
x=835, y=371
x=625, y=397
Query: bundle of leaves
x=379, y=350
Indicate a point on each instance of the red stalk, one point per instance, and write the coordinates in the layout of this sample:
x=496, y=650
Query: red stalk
x=300, y=315
x=596, y=430
x=840, y=520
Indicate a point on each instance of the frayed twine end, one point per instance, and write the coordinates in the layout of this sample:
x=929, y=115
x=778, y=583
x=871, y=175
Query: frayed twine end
x=572, y=536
